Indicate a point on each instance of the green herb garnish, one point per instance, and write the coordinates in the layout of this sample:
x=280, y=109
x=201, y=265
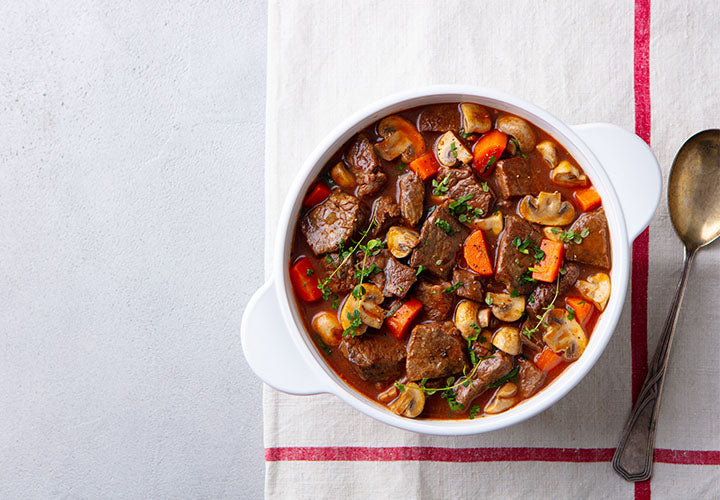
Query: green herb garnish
x=440, y=188
x=453, y=288
x=504, y=379
x=445, y=226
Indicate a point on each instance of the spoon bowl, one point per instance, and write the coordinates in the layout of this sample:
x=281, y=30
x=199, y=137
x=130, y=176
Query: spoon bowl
x=693, y=194
x=694, y=202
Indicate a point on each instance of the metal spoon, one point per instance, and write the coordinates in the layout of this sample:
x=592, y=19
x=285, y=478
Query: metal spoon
x=694, y=201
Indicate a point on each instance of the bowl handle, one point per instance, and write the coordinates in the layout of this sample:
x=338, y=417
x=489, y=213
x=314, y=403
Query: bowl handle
x=270, y=351
x=632, y=168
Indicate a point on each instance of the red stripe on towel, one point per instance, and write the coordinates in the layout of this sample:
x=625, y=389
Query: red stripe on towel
x=469, y=455
x=638, y=322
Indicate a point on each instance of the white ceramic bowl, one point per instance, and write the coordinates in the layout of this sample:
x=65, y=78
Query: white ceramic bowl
x=623, y=170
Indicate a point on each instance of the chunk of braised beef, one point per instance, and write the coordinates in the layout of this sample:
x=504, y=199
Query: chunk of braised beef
x=441, y=237
x=343, y=277
x=489, y=370
x=374, y=357
x=435, y=350
x=363, y=163
x=595, y=247
x=375, y=263
x=336, y=219
x=515, y=177
x=439, y=118
x=385, y=213
x=461, y=182
x=543, y=294
x=436, y=303
x=530, y=378
x=398, y=278
x=471, y=286
x=512, y=263
x=411, y=195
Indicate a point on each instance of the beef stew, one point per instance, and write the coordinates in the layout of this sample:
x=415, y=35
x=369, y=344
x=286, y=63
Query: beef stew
x=450, y=261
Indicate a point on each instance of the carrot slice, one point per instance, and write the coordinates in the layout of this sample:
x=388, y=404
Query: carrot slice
x=583, y=309
x=303, y=280
x=487, y=151
x=399, y=323
x=587, y=198
x=547, y=269
x=425, y=166
x=317, y=195
x=547, y=359
x=476, y=254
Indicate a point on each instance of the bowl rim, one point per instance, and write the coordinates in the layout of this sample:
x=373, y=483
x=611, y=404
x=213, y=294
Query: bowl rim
x=564, y=134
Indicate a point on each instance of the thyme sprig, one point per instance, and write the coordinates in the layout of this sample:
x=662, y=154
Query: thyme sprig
x=323, y=283
x=541, y=318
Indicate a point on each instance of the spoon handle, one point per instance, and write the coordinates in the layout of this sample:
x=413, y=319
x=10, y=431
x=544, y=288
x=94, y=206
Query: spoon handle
x=633, y=458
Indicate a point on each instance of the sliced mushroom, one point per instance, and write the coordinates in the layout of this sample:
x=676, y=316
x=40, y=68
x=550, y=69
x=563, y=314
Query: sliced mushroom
x=505, y=397
x=450, y=149
x=507, y=339
x=492, y=224
x=391, y=392
x=505, y=307
x=466, y=317
x=342, y=176
x=367, y=306
x=411, y=401
x=326, y=325
x=552, y=233
x=568, y=175
x=475, y=118
x=519, y=129
x=483, y=317
x=400, y=137
x=563, y=335
x=401, y=240
x=548, y=152
x=596, y=289
x=547, y=209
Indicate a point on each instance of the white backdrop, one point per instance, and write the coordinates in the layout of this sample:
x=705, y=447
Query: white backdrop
x=131, y=158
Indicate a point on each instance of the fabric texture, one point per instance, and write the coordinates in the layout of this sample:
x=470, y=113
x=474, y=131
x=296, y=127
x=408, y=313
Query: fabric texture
x=650, y=68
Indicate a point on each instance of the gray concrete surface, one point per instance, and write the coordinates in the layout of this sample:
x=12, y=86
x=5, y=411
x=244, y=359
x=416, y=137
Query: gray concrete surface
x=131, y=218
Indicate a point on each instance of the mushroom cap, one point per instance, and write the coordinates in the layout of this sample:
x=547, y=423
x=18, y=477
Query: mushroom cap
x=400, y=137
x=475, y=118
x=507, y=339
x=549, y=234
x=506, y=307
x=449, y=150
x=563, y=335
x=596, y=289
x=548, y=151
x=466, y=315
x=547, y=209
x=401, y=240
x=326, y=325
x=503, y=399
x=492, y=224
x=368, y=306
x=410, y=402
x=519, y=129
x=483, y=317
x=568, y=175
x=342, y=176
